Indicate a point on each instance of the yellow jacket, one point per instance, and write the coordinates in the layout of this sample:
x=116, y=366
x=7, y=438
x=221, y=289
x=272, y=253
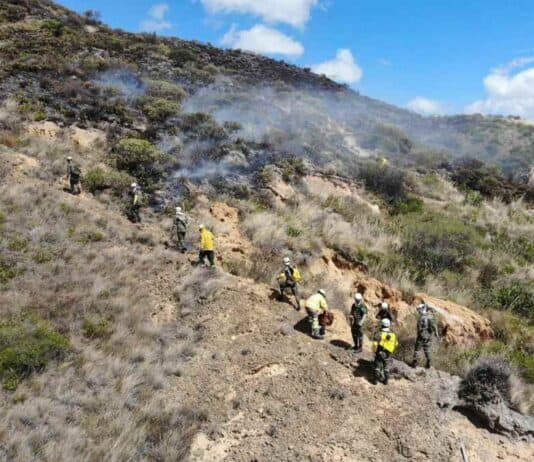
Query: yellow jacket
x=387, y=340
x=316, y=303
x=207, y=240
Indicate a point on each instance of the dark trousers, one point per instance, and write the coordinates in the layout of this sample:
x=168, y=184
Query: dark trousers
x=134, y=214
x=180, y=238
x=75, y=186
x=424, y=344
x=209, y=254
x=357, y=335
x=382, y=366
x=294, y=290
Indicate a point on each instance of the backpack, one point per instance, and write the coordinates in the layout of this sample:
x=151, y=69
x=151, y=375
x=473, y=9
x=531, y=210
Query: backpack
x=388, y=341
x=326, y=318
x=75, y=172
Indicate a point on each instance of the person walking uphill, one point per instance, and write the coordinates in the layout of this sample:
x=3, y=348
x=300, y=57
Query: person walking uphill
x=136, y=201
x=207, y=246
x=315, y=306
x=74, y=175
x=426, y=330
x=385, y=343
x=289, y=278
x=180, y=223
x=358, y=315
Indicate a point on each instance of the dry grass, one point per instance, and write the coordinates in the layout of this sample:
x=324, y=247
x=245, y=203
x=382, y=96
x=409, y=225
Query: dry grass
x=107, y=399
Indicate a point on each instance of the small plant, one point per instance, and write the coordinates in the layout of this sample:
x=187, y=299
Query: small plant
x=26, y=346
x=8, y=270
x=95, y=327
x=90, y=236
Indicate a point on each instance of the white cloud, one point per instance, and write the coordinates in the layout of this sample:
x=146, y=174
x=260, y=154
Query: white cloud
x=426, y=106
x=509, y=91
x=342, y=68
x=293, y=12
x=264, y=40
x=156, y=20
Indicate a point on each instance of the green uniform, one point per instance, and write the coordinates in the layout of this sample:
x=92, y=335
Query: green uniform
x=426, y=330
x=180, y=223
x=288, y=282
x=74, y=174
x=135, y=206
x=385, y=343
x=358, y=313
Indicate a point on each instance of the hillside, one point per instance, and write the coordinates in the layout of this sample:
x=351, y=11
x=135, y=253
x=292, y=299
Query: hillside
x=115, y=346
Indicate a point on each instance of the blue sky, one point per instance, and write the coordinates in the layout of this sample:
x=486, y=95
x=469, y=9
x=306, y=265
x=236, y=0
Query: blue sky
x=433, y=56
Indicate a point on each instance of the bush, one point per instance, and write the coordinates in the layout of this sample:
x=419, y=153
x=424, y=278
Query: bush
x=515, y=297
x=489, y=379
x=26, y=346
x=8, y=270
x=54, y=26
x=98, y=179
x=158, y=110
x=386, y=181
x=139, y=158
x=410, y=204
x=164, y=89
x=436, y=243
x=94, y=327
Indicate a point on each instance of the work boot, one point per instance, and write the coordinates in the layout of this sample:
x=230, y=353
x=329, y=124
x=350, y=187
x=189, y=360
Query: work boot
x=428, y=365
x=414, y=363
x=358, y=349
x=385, y=381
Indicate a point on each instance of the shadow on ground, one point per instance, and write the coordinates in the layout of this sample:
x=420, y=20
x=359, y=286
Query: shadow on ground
x=365, y=369
x=341, y=344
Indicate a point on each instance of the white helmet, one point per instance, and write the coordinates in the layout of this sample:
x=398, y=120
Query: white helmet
x=385, y=323
x=178, y=209
x=69, y=158
x=358, y=297
x=134, y=185
x=384, y=306
x=286, y=261
x=200, y=227
x=422, y=308
x=322, y=292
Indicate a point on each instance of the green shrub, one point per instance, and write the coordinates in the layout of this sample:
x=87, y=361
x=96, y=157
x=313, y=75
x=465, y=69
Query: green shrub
x=139, y=158
x=43, y=256
x=53, y=26
x=515, y=297
x=293, y=231
x=158, y=110
x=388, y=182
x=26, y=346
x=90, y=236
x=2, y=218
x=434, y=243
x=164, y=89
x=410, y=204
x=95, y=327
x=18, y=245
x=292, y=167
x=8, y=270
x=98, y=179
